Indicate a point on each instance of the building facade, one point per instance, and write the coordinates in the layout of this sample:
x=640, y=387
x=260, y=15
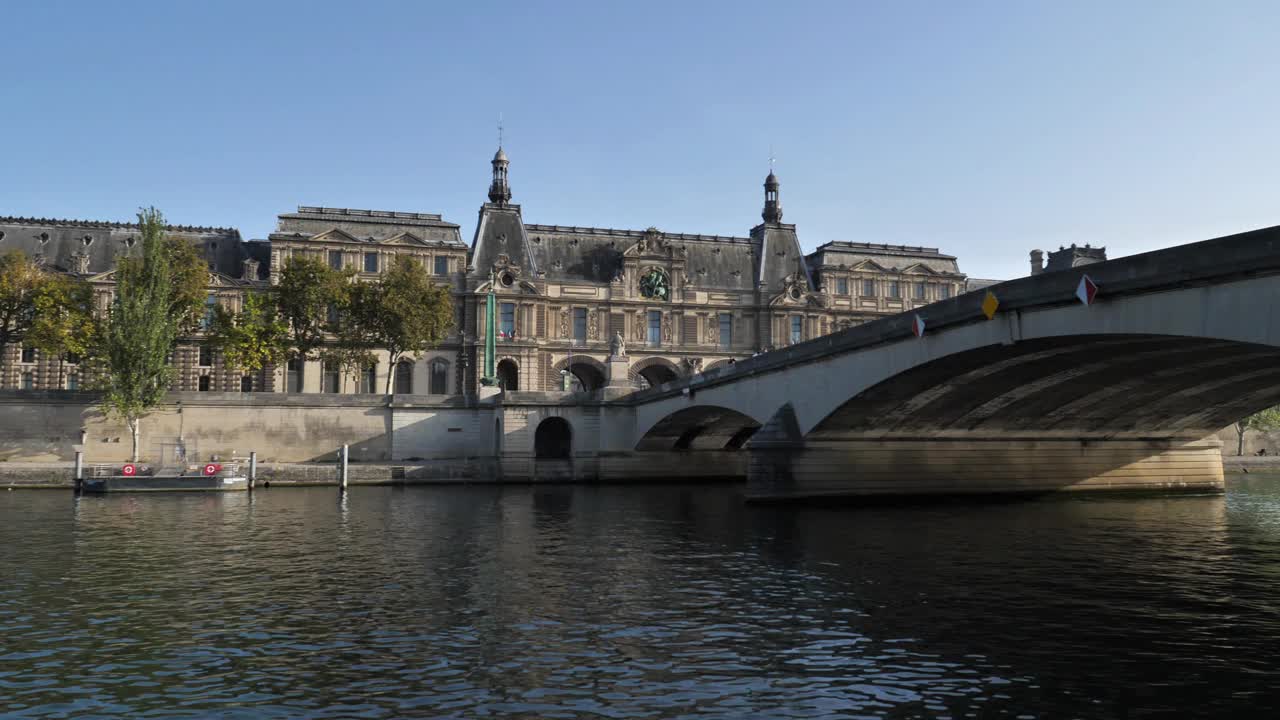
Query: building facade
x=681, y=302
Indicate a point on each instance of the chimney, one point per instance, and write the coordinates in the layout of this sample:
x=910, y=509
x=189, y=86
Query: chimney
x=1037, y=262
x=250, y=270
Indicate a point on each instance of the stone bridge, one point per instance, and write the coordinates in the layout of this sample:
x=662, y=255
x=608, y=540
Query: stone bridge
x=1048, y=394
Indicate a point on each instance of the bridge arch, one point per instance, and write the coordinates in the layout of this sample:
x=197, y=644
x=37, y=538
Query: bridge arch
x=553, y=439
x=1071, y=385
x=701, y=427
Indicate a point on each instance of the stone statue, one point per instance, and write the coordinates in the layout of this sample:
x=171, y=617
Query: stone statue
x=617, y=346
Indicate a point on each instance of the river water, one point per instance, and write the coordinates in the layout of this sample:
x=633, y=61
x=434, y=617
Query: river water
x=645, y=602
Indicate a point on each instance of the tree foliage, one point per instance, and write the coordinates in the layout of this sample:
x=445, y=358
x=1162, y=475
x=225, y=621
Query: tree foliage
x=64, y=320
x=309, y=298
x=253, y=338
x=141, y=328
x=402, y=311
x=20, y=282
x=1262, y=421
x=189, y=284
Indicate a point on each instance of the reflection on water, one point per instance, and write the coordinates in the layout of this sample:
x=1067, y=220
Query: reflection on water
x=635, y=602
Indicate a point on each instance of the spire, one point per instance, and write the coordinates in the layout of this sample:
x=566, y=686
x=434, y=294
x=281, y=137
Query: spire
x=772, y=205
x=499, y=190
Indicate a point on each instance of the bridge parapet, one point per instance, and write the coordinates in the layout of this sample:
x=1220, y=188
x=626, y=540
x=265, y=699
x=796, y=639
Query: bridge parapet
x=1249, y=254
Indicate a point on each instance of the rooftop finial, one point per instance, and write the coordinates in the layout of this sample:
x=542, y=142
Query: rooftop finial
x=771, y=159
x=499, y=129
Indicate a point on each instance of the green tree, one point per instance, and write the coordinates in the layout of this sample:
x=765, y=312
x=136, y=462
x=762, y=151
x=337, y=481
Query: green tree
x=1262, y=420
x=20, y=282
x=190, y=283
x=402, y=311
x=141, y=329
x=64, y=319
x=310, y=298
x=253, y=338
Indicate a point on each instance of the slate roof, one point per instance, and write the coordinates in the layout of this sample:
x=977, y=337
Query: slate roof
x=368, y=225
x=58, y=240
x=890, y=257
x=569, y=253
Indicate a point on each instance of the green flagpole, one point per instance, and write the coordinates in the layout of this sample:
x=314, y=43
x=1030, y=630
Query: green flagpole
x=490, y=337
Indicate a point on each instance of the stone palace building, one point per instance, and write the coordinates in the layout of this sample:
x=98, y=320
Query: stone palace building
x=683, y=302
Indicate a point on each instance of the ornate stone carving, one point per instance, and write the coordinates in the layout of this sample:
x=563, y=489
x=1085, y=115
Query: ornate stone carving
x=593, y=325
x=564, y=322
x=618, y=346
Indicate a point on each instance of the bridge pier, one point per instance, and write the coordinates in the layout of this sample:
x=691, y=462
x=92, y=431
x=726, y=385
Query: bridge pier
x=781, y=470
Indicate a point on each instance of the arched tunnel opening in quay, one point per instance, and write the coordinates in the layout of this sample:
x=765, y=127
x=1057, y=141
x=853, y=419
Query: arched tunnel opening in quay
x=1116, y=398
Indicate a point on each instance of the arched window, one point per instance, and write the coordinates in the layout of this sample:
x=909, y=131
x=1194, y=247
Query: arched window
x=439, y=377
x=404, y=378
x=509, y=375
x=553, y=440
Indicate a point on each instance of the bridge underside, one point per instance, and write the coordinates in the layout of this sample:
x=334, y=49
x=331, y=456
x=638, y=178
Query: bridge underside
x=1073, y=412
x=1070, y=387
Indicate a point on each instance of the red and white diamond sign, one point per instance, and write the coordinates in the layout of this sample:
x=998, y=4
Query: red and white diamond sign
x=129, y=470
x=1087, y=290
x=917, y=326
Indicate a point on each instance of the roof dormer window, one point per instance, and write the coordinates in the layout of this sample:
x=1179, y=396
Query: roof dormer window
x=44, y=238
x=87, y=240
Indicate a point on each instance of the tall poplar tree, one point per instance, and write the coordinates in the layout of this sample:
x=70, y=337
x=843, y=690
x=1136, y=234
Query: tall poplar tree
x=141, y=329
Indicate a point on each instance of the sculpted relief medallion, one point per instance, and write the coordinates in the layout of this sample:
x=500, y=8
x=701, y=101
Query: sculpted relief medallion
x=655, y=284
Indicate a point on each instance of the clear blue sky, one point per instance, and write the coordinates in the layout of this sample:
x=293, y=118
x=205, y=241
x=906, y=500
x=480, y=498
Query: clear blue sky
x=983, y=128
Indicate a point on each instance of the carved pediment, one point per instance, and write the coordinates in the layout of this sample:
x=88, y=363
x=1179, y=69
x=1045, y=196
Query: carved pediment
x=795, y=291
x=655, y=245
x=870, y=265
x=334, y=235
x=919, y=269
x=404, y=238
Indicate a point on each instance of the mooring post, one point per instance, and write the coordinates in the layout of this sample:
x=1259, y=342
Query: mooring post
x=253, y=467
x=79, y=468
x=342, y=472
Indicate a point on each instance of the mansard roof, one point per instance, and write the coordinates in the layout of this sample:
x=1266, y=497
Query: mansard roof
x=366, y=226
x=839, y=253
x=58, y=241
x=570, y=252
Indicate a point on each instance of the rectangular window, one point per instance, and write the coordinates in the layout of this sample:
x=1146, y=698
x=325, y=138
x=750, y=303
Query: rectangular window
x=28, y=381
x=335, y=259
x=371, y=262
x=946, y=291
x=206, y=356
x=28, y=355
x=580, y=324
x=726, y=330
x=797, y=329
x=869, y=288
x=369, y=379
x=332, y=315
x=72, y=359
x=919, y=291
x=439, y=377
x=842, y=286
x=293, y=376
x=895, y=289
x=442, y=265
x=655, y=327
x=73, y=381
x=507, y=320
x=246, y=383
x=332, y=378
x=203, y=385
x=210, y=308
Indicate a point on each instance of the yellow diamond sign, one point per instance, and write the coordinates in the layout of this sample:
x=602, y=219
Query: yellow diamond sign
x=989, y=305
